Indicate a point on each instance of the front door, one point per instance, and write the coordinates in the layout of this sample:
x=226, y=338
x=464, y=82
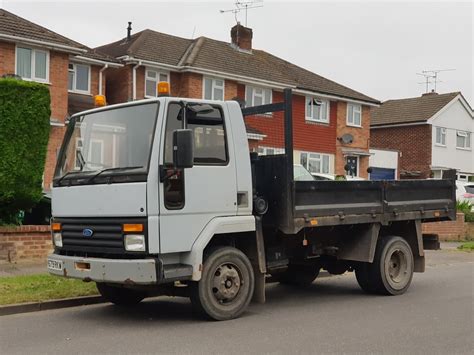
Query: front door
x=353, y=165
x=191, y=198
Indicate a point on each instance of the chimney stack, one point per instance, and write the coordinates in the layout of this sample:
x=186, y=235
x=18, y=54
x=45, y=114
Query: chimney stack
x=129, y=31
x=241, y=37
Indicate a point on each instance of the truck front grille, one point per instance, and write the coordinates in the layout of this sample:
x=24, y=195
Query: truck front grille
x=107, y=236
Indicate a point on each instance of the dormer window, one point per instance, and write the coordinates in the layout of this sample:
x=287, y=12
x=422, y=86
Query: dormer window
x=152, y=78
x=79, y=78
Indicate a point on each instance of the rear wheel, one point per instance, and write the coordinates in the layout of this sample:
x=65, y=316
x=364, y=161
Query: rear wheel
x=226, y=286
x=119, y=295
x=299, y=275
x=392, y=269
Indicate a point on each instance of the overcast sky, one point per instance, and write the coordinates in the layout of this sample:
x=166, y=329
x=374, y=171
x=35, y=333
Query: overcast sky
x=373, y=47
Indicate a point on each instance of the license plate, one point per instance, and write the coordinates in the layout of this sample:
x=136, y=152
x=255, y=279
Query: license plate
x=55, y=265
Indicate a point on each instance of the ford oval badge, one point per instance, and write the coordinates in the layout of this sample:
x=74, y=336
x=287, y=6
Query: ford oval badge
x=87, y=232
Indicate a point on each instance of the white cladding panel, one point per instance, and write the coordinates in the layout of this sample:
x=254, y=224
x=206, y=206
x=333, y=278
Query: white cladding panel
x=381, y=158
x=454, y=118
x=102, y=200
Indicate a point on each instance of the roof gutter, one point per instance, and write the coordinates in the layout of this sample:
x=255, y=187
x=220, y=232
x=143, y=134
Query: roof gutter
x=51, y=45
x=97, y=61
x=399, y=125
x=335, y=97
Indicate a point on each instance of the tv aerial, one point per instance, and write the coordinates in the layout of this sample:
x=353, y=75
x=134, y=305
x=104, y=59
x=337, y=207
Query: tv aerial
x=431, y=77
x=243, y=6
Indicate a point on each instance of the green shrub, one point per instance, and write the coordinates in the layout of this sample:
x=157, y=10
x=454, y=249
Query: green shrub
x=24, y=132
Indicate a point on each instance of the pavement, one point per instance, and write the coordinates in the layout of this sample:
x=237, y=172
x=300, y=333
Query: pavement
x=332, y=316
x=7, y=269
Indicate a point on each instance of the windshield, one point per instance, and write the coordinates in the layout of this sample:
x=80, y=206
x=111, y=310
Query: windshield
x=109, y=141
x=301, y=174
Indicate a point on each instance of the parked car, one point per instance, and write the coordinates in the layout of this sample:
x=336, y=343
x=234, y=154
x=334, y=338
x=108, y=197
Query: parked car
x=465, y=192
x=301, y=174
x=332, y=177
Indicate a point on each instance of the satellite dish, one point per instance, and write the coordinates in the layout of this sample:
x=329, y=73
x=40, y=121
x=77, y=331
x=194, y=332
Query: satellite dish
x=347, y=138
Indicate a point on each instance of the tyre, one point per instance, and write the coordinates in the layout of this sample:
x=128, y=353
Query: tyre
x=392, y=269
x=299, y=275
x=120, y=296
x=362, y=276
x=226, y=286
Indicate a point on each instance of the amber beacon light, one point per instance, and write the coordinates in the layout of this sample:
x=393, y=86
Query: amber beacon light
x=99, y=100
x=163, y=88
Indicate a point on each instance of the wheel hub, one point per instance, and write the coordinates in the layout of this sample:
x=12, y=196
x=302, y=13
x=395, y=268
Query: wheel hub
x=226, y=283
x=397, y=268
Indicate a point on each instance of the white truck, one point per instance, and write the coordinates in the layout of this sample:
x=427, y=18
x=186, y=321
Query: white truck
x=162, y=197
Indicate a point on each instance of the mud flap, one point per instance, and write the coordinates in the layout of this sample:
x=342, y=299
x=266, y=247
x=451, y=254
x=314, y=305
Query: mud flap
x=259, y=264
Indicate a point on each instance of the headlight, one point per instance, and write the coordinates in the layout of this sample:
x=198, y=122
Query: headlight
x=135, y=242
x=58, y=239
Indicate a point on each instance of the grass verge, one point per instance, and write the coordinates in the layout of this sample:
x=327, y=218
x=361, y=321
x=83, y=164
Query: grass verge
x=35, y=288
x=468, y=246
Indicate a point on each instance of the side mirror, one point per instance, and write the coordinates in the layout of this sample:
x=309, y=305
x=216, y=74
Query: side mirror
x=183, y=149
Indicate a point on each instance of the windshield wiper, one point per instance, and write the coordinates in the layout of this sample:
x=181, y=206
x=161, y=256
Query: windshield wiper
x=65, y=175
x=112, y=169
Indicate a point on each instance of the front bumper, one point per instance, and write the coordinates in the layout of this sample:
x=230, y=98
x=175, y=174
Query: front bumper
x=121, y=271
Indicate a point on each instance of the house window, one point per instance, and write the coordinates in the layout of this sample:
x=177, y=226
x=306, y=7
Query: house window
x=317, y=110
x=354, y=115
x=96, y=152
x=79, y=78
x=255, y=96
x=32, y=64
x=270, y=151
x=315, y=162
x=463, y=140
x=441, y=136
x=152, y=78
x=213, y=89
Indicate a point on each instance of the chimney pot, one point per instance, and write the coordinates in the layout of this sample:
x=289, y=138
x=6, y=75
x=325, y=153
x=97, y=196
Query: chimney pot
x=241, y=37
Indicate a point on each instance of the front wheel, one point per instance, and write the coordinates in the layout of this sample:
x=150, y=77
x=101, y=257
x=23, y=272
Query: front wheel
x=226, y=286
x=392, y=269
x=119, y=295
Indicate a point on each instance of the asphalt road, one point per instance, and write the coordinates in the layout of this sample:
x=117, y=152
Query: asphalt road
x=435, y=316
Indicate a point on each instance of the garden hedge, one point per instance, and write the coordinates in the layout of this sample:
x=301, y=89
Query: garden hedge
x=24, y=133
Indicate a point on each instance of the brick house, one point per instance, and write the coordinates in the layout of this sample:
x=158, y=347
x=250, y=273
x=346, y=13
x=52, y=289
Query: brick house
x=73, y=72
x=433, y=133
x=325, y=112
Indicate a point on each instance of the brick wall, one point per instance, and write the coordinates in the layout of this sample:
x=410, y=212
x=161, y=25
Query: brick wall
x=361, y=139
x=7, y=58
x=449, y=230
x=413, y=143
x=25, y=244
x=119, y=84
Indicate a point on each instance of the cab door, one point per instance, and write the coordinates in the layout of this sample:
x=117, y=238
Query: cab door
x=191, y=198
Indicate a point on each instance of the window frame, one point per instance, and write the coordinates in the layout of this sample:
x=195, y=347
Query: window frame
x=253, y=94
x=321, y=156
x=74, y=89
x=276, y=151
x=442, y=135
x=213, y=86
x=310, y=117
x=89, y=152
x=33, y=63
x=157, y=80
x=349, y=119
x=467, y=140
